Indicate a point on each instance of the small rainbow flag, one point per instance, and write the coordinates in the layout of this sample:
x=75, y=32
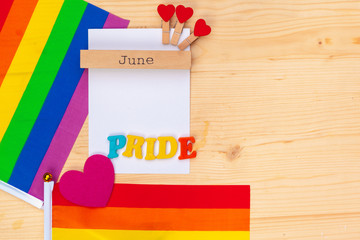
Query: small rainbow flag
x=150, y=212
x=43, y=92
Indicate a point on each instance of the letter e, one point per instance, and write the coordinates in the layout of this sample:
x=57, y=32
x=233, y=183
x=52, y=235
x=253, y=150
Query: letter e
x=187, y=147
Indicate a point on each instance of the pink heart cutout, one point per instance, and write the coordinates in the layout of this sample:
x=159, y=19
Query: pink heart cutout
x=91, y=188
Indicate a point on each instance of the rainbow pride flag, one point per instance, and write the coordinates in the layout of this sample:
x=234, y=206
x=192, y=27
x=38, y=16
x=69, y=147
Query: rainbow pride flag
x=150, y=212
x=43, y=93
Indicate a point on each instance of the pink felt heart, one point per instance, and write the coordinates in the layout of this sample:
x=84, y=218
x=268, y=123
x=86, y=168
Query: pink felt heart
x=166, y=12
x=91, y=188
x=201, y=29
x=183, y=14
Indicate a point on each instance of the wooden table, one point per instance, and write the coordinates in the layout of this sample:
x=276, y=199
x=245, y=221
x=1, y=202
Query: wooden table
x=275, y=103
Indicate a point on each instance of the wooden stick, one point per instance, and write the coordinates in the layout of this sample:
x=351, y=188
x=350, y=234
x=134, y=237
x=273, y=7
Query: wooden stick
x=189, y=40
x=135, y=59
x=177, y=32
x=165, y=32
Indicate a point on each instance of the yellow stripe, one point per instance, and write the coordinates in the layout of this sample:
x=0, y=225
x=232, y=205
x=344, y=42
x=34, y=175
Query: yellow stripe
x=89, y=234
x=26, y=58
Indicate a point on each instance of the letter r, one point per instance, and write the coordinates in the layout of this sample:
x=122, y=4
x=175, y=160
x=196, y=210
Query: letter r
x=115, y=143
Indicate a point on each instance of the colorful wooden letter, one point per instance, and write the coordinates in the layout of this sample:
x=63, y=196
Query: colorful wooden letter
x=150, y=143
x=187, y=147
x=134, y=143
x=115, y=143
x=162, y=147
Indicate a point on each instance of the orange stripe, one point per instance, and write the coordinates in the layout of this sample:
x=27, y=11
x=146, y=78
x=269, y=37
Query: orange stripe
x=151, y=218
x=13, y=31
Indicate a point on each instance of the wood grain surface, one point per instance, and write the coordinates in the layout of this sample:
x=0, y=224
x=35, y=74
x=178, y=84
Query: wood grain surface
x=275, y=103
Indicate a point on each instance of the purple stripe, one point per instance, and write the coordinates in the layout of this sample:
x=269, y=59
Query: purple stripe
x=69, y=127
x=64, y=137
x=113, y=21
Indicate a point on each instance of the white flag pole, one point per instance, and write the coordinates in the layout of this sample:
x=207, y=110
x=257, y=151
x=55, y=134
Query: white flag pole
x=48, y=187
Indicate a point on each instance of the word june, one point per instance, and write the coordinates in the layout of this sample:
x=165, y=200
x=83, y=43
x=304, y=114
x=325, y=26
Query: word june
x=135, y=143
x=136, y=61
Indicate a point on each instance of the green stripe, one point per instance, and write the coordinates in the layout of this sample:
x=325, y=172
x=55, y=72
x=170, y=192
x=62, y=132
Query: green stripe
x=39, y=85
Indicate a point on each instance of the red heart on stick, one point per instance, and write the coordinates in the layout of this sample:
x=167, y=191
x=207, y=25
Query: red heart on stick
x=183, y=14
x=201, y=29
x=166, y=12
x=93, y=187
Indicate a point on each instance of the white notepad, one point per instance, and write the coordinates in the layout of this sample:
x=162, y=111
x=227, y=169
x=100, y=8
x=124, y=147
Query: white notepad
x=142, y=102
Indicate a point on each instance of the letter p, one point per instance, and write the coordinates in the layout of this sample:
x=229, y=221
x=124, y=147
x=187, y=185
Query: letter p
x=115, y=143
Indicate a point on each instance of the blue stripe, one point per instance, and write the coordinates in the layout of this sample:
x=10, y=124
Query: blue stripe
x=56, y=102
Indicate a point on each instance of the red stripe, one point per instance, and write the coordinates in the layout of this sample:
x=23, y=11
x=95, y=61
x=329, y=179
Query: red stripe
x=173, y=196
x=12, y=32
x=4, y=11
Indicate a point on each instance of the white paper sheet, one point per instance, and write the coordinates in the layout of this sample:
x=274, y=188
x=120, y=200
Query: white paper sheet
x=142, y=102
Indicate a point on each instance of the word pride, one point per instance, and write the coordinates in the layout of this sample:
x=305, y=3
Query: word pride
x=135, y=144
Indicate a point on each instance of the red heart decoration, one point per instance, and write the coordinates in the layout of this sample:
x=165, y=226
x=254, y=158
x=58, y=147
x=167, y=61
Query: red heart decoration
x=166, y=12
x=93, y=187
x=183, y=14
x=201, y=29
